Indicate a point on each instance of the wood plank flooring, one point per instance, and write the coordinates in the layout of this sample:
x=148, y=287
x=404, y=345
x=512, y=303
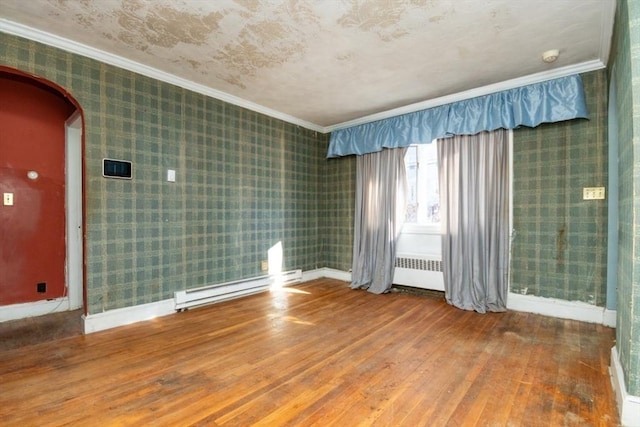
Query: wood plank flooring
x=35, y=330
x=318, y=354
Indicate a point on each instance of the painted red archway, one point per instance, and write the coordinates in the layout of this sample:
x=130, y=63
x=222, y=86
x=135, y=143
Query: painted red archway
x=33, y=112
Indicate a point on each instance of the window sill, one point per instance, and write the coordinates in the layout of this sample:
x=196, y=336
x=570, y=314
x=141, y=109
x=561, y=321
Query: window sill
x=421, y=229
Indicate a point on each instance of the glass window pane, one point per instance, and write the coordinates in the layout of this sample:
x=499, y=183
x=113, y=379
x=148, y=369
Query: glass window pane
x=423, y=198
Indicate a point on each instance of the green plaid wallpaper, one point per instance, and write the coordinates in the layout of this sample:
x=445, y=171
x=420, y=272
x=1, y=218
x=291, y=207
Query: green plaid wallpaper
x=559, y=249
x=339, y=208
x=626, y=57
x=244, y=182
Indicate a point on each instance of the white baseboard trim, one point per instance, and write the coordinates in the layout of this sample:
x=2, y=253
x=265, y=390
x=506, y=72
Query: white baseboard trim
x=33, y=309
x=308, y=275
x=127, y=315
x=138, y=313
x=329, y=273
x=628, y=405
x=123, y=316
x=609, y=318
x=575, y=310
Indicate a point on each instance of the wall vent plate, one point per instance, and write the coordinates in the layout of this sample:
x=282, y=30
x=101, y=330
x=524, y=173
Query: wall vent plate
x=121, y=169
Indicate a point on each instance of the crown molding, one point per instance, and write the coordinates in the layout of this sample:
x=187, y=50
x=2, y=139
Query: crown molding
x=582, y=67
x=49, y=39
x=24, y=31
x=606, y=30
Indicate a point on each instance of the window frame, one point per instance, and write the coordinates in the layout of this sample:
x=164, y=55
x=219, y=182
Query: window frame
x=421, y=228
x=411, y=228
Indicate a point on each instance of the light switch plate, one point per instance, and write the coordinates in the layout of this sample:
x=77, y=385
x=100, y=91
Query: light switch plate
x=593, y=193
x=171, y=175
x=8, y=199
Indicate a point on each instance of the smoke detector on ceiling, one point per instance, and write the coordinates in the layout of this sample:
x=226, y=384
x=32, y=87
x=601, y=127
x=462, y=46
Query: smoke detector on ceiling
x=550, y=55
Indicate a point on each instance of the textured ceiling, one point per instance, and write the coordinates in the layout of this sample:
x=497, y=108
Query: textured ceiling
x=327, y=62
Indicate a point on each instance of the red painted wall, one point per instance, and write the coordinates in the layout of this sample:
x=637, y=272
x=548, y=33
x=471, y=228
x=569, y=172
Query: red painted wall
x=32, y=231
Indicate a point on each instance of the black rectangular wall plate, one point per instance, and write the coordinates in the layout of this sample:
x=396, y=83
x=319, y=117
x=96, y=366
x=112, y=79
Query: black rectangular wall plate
x=113, y=168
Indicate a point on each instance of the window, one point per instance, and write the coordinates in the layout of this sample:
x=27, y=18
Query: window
x=423, y=198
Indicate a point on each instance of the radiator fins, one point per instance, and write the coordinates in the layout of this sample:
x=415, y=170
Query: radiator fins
x=419, y=264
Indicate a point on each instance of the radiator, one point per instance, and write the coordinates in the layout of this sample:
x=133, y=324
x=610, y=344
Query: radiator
x=224, y=291
x=419, y=271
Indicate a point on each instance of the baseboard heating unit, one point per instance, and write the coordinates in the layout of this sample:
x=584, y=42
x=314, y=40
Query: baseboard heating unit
x=224, y=291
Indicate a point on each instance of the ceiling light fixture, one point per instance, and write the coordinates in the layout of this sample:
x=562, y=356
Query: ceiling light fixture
x=550, y=55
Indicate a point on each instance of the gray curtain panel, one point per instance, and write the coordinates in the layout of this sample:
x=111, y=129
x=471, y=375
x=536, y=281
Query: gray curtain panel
x=474, y=211
x=380, y=201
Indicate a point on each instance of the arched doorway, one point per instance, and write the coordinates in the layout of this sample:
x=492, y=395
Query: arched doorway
x=41, y=207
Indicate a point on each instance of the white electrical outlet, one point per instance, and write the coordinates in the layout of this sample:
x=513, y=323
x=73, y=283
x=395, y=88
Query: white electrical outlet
x=8, y=199
x=171, y=175
x=593, y=193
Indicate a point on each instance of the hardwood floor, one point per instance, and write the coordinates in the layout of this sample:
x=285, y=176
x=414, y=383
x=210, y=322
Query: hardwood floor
x=318, y=354
x=34, y=330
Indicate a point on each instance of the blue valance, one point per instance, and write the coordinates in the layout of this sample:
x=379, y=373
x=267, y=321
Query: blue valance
x=546, y=102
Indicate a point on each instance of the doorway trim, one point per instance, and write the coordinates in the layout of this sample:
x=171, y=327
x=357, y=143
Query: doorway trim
x=74, y=208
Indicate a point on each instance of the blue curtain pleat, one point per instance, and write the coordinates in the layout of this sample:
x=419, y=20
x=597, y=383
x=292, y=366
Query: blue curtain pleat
x=546, y=102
